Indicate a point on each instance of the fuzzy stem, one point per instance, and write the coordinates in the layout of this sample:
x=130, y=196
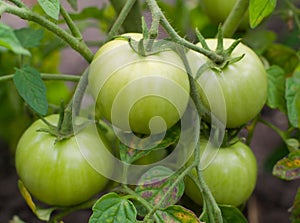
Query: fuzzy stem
x=72, y=26
x=157, y=13
x=235, y=17
x=133, y=22
x=18, y=3
x=136, y=196
x=121, y=18
x=45, y=76
x=26, y=14
x=214, y=212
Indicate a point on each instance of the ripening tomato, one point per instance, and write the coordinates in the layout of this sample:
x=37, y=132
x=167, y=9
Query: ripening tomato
x=145, y=94
x=231, y=175
x=57, y=173
x=236, y=93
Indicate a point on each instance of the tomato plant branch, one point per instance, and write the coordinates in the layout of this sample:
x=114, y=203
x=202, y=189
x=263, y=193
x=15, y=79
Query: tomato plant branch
x=121, y=18
x=65, y=125
x=135, y=196
x=281, y=133
x=250, y=130
x=234, y=19
x=181, y=173
x=158, y=14
x=132, y=23
x=86, y=205
x=18, y=3
x=26, y=14
x=214, y=212
x=72, y=26
x=45, y=76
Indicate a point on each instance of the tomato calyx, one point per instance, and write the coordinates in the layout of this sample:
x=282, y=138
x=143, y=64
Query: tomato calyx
x=65, y=127
x=148, y=46
x=218, y=65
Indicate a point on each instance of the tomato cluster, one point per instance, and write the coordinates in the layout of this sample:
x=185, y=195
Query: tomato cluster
x=148, y=95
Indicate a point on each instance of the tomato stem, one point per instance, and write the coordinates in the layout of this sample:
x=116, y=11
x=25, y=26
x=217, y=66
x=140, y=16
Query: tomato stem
x=66, y=211
x=18, y=3
x=72, y=26
x=157, y=14
x=45, y=76
x=132, y=23
x=26, y=14
x=234, y=19
x=123, y=14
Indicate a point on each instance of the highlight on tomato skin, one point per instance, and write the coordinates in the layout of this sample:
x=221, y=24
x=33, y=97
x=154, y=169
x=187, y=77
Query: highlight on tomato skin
x=142, y=94
x=57, y=173
x=231, y=175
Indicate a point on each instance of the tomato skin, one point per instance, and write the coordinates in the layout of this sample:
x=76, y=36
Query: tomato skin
x=131, y=88
x=231, y=176
x=57, y=173
x=242, y=85
x=218, y=11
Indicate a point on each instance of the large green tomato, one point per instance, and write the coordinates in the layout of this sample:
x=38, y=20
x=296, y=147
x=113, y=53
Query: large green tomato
x=57, y=173
x=218, y=11
x=132, y=91
x=230, y=175
x=238, y=92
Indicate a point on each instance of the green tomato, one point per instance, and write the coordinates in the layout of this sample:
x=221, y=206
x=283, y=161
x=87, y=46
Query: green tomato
x=218, y=11
x=57, y=173
x=132, y=91
x=230, y=175
x=238, y=92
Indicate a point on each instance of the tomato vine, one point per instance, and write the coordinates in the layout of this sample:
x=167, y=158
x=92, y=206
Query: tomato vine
x=151, y=199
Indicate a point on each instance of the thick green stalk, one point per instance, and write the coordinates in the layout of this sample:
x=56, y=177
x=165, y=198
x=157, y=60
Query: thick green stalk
x=133, y=22
x=235, y=17
x=123, y=14
x=72, y=26
x=214, y=212
x=26, y=14
x=18, y=3
x=44, y=76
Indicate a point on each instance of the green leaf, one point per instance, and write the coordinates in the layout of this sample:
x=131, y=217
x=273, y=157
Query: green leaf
x=259, y=9
x=42, y=213
x=276, y=88
x=295, y=216
x=154, y=184
x=230, y=214
x=111, y=208
x=176, y=214
x=292, y=144
x=137, y=148
x=31, y=88
x=288, y=168
x=50, y=7
x=28, y=37
x=9, y=40
x=283, y=56
x=292, y=96
x=73, y=4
